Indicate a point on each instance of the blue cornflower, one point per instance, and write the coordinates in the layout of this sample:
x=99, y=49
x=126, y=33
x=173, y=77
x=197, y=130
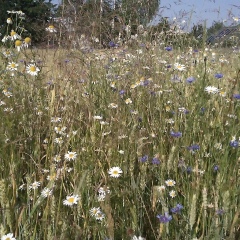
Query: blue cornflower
x=220, y=212
x=144, y=159
x=155, y=161
x=237, y=96
x=168, y=48
x=177, y=209
x=112, y=44
x=164, y=218
x=190, y=79
x=145, y=82
x=176, y=134
x=169, y=66
x=218, y=75
x=215, y=168
x=121, y=92
x=194, y=147
x=234, y=144
x=189, y=170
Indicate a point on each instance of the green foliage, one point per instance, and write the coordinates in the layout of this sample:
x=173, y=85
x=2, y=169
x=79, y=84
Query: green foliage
x=107, y=19
x=216, y=26
x=37, y=14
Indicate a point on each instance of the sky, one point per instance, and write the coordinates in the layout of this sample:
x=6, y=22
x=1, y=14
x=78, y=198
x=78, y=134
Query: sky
x=197, y=11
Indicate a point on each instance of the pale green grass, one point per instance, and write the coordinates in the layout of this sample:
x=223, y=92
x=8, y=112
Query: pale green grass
x=84, y=86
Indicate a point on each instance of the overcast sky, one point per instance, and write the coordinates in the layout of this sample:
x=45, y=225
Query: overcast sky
x=197, y=11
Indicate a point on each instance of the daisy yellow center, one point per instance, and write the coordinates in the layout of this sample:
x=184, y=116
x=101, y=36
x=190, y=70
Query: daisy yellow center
x=18, y=43
x=8, y=238
x=32, y=69
x=71, y=200
x=13, y=33
x=115, y=172
x=71, y=155
x=27, y=40
x=170, y=183
x=95, y=211
x=13, y=65
x=51, y=27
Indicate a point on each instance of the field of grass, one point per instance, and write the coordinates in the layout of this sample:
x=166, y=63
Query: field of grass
x=125, y=143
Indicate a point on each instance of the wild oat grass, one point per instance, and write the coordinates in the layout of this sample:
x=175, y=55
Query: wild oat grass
x=86, y=113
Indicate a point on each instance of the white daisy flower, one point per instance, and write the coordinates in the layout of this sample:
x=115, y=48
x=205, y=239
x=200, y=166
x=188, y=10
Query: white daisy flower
x=60, y=130
x=18, y=45
x=12, y=66
x=100, y=216
x=172, y=194
x=7, y=53
x=70, y=156
x=34, y=185
x=138, y=238
x=94, y=211
x=58, y=140
x=211, y=90
x=5, y=38
x=46, y=192
x=128, y=101
x=27, y=42
x=9, y=236
x=170, y=182
x=57, y=158
x=97, y=117
x=71, y=200
x=179, y=67
x=32, y=69
x=56, y=119
x=115, y=172
x=14, y=35
x=51, y=29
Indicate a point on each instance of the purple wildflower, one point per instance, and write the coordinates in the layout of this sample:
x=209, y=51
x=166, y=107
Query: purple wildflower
x=190, y=79
x=237, y=96
x=215, y=168
x=220, y=212
x=177, y=209
x=112, y=44
x=176, y=134
x=168, y=48
x=234, y=144
x=194, y=147
x=218, y=75
x=155, y=161
x=121, y=92
x=164, y=218
x=144, y=159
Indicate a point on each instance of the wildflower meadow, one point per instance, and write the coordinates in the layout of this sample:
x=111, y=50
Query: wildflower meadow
x=137, y=141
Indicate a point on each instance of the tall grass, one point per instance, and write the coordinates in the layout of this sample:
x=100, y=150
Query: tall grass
x=126, y=108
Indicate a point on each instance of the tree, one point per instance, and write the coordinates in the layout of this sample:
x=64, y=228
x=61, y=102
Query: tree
x=106, y=19
x=216, y=26
x=37, y=14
